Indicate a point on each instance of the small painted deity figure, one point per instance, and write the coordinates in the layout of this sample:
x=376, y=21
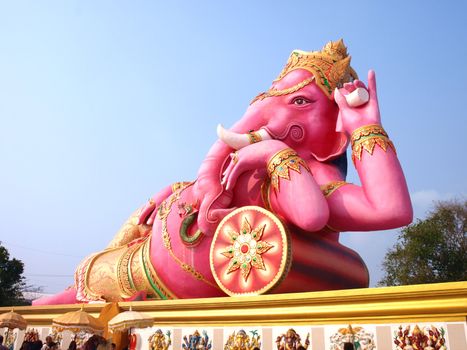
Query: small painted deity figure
x=291, y=341
x=197, y=342
x=9, y=339
x=31, y=335
x=426, y=338
x=56, y=336
x=242, y=341
x=158, y=340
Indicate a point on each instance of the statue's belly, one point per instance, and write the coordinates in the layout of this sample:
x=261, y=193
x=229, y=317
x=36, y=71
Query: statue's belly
x=182, y=263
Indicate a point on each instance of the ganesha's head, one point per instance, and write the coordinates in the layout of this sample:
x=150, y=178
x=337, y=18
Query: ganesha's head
x=299, y=108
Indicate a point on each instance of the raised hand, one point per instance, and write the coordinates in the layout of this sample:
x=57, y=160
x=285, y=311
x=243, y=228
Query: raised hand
x=351, y=118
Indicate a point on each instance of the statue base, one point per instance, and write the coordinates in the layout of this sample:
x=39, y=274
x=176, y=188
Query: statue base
x=372, y=318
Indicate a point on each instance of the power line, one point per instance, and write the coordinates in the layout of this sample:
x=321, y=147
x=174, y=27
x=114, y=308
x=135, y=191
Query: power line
x=40, y=250
x=46, y=275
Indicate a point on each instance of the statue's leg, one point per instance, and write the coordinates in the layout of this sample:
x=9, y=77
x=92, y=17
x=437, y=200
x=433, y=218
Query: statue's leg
x=131, y=230
x=68, y=296
x=119, y=274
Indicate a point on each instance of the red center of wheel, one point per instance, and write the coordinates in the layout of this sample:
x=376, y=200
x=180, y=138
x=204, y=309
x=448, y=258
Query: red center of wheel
x=244, y=248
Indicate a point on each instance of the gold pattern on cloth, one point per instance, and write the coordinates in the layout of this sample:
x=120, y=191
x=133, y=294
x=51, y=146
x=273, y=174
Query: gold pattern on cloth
x=102, y=276
x=129, y=231
x=83, y=293
x=281, y=162
x=117, y=274
x=181, y=185
x=125, y=284
x=330, y=187
x=137, y=274
x=366, y=138
x=163, y=213
x=157, y=286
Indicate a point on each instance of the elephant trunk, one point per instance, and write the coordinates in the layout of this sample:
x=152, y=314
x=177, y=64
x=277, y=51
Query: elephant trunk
x=208, y=186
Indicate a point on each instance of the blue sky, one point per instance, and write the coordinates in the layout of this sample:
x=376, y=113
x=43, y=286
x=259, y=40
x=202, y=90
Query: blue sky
x=102, y=103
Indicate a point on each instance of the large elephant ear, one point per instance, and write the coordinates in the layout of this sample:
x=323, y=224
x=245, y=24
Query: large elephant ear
x=332, y=147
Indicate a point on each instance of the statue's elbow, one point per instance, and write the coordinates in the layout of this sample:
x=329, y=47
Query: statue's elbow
x=402, y=215
x=316, y=221
x=407, y=216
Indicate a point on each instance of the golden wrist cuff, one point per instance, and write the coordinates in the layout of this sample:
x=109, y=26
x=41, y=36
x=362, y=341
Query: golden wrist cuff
x=254, y=136
x=366, y=138
x=281, y=162
x=330, y=187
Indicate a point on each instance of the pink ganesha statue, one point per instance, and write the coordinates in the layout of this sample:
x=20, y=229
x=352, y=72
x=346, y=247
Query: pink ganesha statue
x=265, y=212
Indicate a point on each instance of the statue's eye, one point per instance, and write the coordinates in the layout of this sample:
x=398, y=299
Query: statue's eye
x=300, y=101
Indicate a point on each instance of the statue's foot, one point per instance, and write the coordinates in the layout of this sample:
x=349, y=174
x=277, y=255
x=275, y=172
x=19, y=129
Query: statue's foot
x=68, y=296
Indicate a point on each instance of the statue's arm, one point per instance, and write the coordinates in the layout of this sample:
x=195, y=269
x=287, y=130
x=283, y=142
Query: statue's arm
x=292, y=197
x=292, y=189
x=148, y=211
x=382, y=201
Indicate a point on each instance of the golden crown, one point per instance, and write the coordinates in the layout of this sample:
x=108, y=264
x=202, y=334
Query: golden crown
x=330, y=66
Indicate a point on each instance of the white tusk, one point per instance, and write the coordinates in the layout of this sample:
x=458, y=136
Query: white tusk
x=357, y=97
x=237, y=141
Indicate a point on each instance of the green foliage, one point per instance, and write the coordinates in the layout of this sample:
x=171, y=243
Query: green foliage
x=11, y=279
x=431, y=250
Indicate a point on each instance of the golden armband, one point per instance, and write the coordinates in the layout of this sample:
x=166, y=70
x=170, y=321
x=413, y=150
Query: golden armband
x=366, y=138
x=330, y=187
x=254, y=136
x=281, y=162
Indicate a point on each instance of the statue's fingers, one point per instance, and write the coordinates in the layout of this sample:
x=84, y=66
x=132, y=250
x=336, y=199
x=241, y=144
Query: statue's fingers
x=152, y=217
x=232, y=178
x=226, y=173
x=145, y=211
x=340, y=99
x=372, y=85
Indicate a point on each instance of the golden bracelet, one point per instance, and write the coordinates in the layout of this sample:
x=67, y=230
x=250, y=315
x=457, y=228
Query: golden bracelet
x=180, y=185
x=366, y=138
x=367, y=130
x=254, y=137
x=281, y=162
x=265, y=194
x=330, y=187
